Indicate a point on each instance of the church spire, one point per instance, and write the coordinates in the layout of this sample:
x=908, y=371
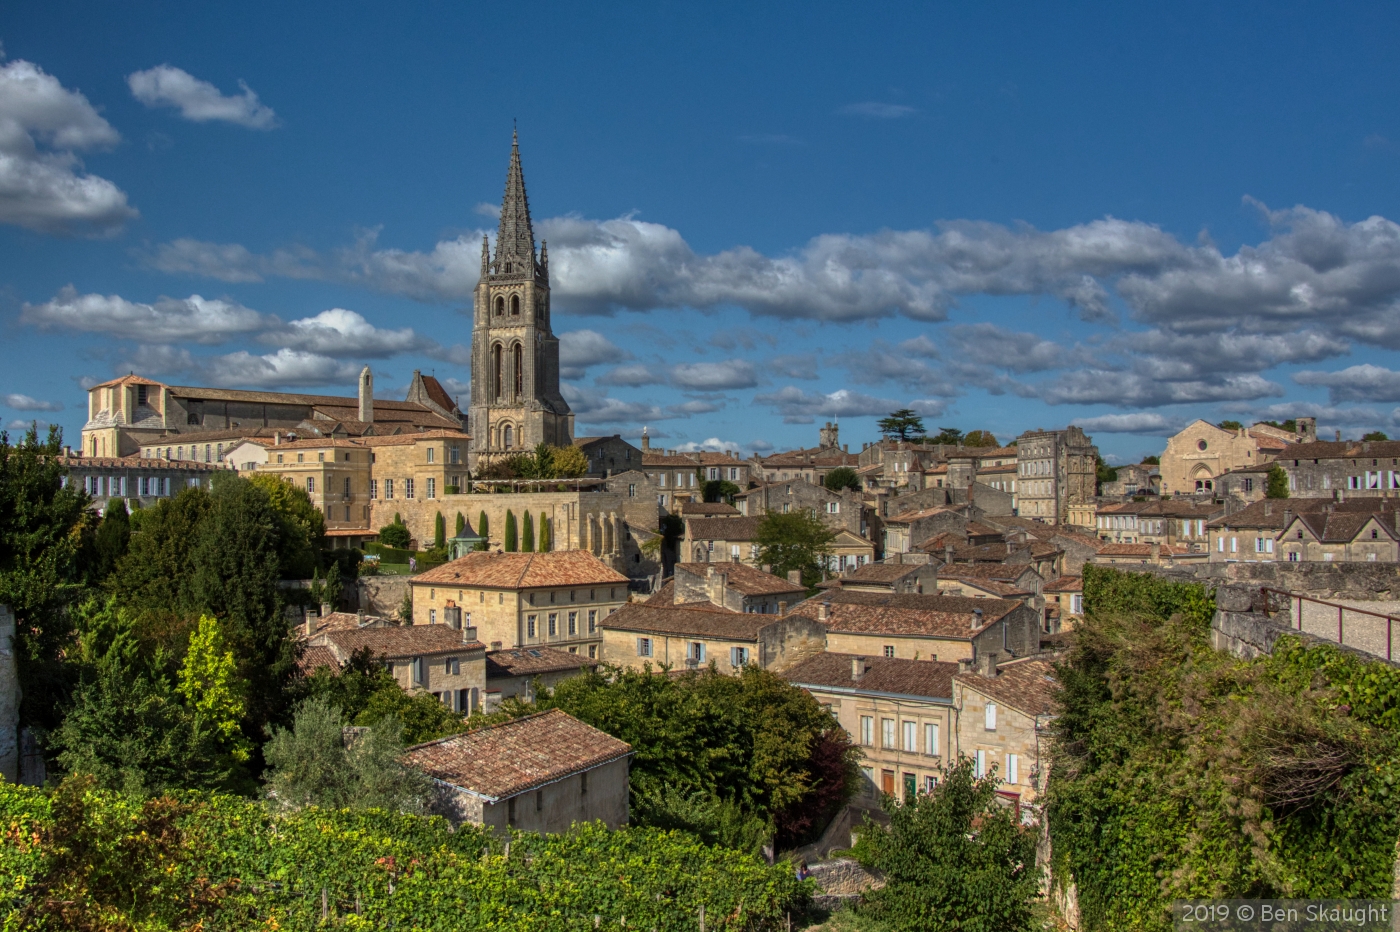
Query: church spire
x=515, y=239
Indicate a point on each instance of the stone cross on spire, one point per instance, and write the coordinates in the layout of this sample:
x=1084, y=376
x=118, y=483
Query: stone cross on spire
x=515, y=239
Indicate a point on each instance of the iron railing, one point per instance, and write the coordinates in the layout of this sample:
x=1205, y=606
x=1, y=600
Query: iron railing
x=1274, y=599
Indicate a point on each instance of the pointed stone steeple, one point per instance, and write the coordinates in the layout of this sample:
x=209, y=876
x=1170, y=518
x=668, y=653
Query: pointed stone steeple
x=515, y=238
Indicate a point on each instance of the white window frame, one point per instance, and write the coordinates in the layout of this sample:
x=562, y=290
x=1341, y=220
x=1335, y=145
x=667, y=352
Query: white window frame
x=887, y=735
x=910, y=734
x=989, y=716
x=738, y=656
x=867, y=731
x=1012, y=768
x=931, y=738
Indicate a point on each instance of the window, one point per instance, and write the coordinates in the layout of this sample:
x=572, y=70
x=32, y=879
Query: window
x=432, y=616
x=431, y=453
x=553, y=623
x=931, y=739
x=887, y=732
x=695, y=652
x=593, y=651
x=738, y=656
x=310, y=485
x=643, y=647
x=530, y=626
x=833, y=508
x=573, y=623
x=867, y=730
x=1249, y=485
x=989, y=717
x=979, y=766
x=418, y=671
x=320, y=457
x=347, y=486
x=583, y=783
x=1234, y=545
x=388, y=489
x=911, y=737
x=452, y=666
x=408, y=488
x=930, y=784
x=301, y=457
x=889, y=650
x=1076, y=604
x=592, y=620
x=432, y=487
x=373, y=489
x=909, y=786
x=1012, y=768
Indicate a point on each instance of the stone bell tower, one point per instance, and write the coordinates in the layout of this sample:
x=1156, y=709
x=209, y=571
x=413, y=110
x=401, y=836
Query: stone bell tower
x=515, y=399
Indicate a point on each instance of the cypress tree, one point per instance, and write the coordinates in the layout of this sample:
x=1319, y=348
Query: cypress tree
x=112, y=536
x=528, y=534
x=439, y=531
x=545, y=541
x=483, y=527
x=461, y=525
x=511, y=543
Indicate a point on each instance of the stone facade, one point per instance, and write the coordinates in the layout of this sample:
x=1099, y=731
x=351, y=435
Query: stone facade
x=608, y=455
x=1003, y=716
x=515, y=398
x=844, y=510
x=1326, y=469
x=1057, y=474
x=682, y=637
x=134, y=479
x=1198, y=455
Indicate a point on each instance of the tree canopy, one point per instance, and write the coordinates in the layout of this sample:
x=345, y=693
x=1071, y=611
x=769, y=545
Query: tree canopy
x=980, y=438
x=902, y=424
x=795, y=541
x=1276, y=485
x=842, y=477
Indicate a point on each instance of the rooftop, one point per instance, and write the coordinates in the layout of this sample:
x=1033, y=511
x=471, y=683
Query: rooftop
x=1065, y=584
x=500, y=761
x=522, y=571
x=942, y=616
x=532, y=661
x=1027, y=685
x=1276, y=514
x=929, y=679
x=397, y=641
x=710, y=509
x=742, y=528
x=700, y=622
x=746, y=579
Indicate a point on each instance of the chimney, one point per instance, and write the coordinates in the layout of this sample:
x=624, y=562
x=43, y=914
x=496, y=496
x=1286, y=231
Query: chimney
x=1156, y=552
x=947, y=554
x=965, y=665
x=468, y=633
x=308, y=623
x=987, y=664
x=326, y=609
x=782, y=609
x=795, y=577
x=360, y=618
x=276, y=438
x=858, y=668
x=1268, y=508
x=366, y=395
x=976, y=618
x=823, y=611
x=1339, y=436
x=1287, y=517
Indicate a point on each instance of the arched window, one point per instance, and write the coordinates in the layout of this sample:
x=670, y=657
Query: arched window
x=500, y=307
x=508, y=437
x=496, y=374
x=515, y=305
x=518, y=362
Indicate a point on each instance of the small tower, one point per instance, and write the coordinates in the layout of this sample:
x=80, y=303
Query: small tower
x=829, y=435
x=646, y=441
x=366, y=395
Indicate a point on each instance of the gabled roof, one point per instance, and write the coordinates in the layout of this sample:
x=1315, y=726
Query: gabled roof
x=1027, y=685
x=709, y=509
x=397, y=641
x=1006, y=572
x=744, y=578
x=943, y=616
x=132, y=379
x=505, y=760
x=741, y=528
x=1139, y=550
x=522, y=571
x=645, y=618
x=1342, y=449
x=1065, y=584
x=137, y=462
x=533, y=661
x=923, y=678
x=1343, y=527
x=885, y=572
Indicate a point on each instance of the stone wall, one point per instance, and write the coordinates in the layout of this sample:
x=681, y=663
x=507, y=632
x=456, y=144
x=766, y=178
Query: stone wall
x=381, y=595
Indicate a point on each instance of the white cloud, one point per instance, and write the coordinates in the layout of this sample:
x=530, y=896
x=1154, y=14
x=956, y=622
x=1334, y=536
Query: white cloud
x=696, y=406
x=20, y=425
x=199, y=101
x=1356, y=383
x=26, y=403
x=876, y=110
x=338, y=332
x=632, y=376
x=487, y=209
x=714, y=376
x=202, y=320
x=1140, y=422
x=1131, y=389
x=45, y=189
x=594, y=407
x=580, y=349
x=286, y=368
x=709, y=445
x=799, y=407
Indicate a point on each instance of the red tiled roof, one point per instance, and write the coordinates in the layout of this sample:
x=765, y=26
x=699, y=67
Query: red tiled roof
x=1027, y=685
x=532, y=661
x=942, y=616
x=1138, y=550
x=746, y=579
x=313, y=658
x=711, y=509
x=930, y=679
x=136, y=462
x=522, y=571
x=500, y=761
x=1065, y=584
x=399, y=640
x=700, y=622
x=741, y=528
x=884, y=572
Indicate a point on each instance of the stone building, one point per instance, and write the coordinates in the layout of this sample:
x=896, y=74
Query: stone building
x=1324, y=469
x=844, y=510
x=515, y=673
x=1201, y=452
x=608, y=455
x=539, y=773
x=1133, y=479
x=721, y=540
x=922, y=627
x=515, y=398
x=899, y=713
x=1057, y=475
x=134, y=415
x=677, y=478
x=1180, y=522
x=907, y=531
x=134, y=479
x=1358, y=530
x=734, y=587
x=523, y=600
x=449, y=663
x=1004, y=713
x=697, y=637
x=812, y=463
x=1064, y=602
x=896, y=578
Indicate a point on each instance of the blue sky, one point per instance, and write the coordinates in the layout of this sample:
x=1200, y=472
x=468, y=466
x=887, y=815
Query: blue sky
x=1007, y=216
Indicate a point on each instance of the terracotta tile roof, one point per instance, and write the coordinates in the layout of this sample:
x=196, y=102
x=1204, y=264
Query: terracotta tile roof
x=132, y=379
x=977, y=529
x=944, y=616
x=1341, y=449
x=910, y=516
x=884, y=572
x=929, y=679
x=713, y=458
x=314, y=443
x=313, y=658
x=712, y=509
x=1341, y=527
x=437, y=394
x=742, y=528
x=989, y=452
x=1270, y=514
x=1138, y=550
x=398, y=641
x=348, y=621
x=996, y=587
x=399, y=440
x=522, y=571
x=500, y=761
x=982, y=553
x=644, y=618
x=1027, y=685
x=1006, y=572
x=213, y=436
x=750, y=580
x=532, y=661
x=819, y=457
x=137, y=462
x=1004, y=468
x=1065, y=584
x=668, y=461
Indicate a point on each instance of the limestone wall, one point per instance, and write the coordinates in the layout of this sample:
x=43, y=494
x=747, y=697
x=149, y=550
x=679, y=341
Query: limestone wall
x=381, y=595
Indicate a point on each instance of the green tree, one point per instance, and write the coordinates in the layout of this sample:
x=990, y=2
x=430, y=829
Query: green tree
x=1276, y=485
x=315, y=763
x=545, y=534
x=1290, y=425
x=1151, y=461
x=112, y=536
x=213, y=692
x=461, y=525
x=1375, y=435
x=796, y=541
x=719, y=490
x=901, y=424
x=42, y=520
x=948, y=435
x=527, y=533
x=981, y=438
x=1231, y=425
x=395, y=535
x=483, y=528
x=1103, y=471
x=301, y=525
x=512, y=544
x=842, y=477
x=567, y=462
x=421, y=716
x=439, y=532
x=953, y=859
